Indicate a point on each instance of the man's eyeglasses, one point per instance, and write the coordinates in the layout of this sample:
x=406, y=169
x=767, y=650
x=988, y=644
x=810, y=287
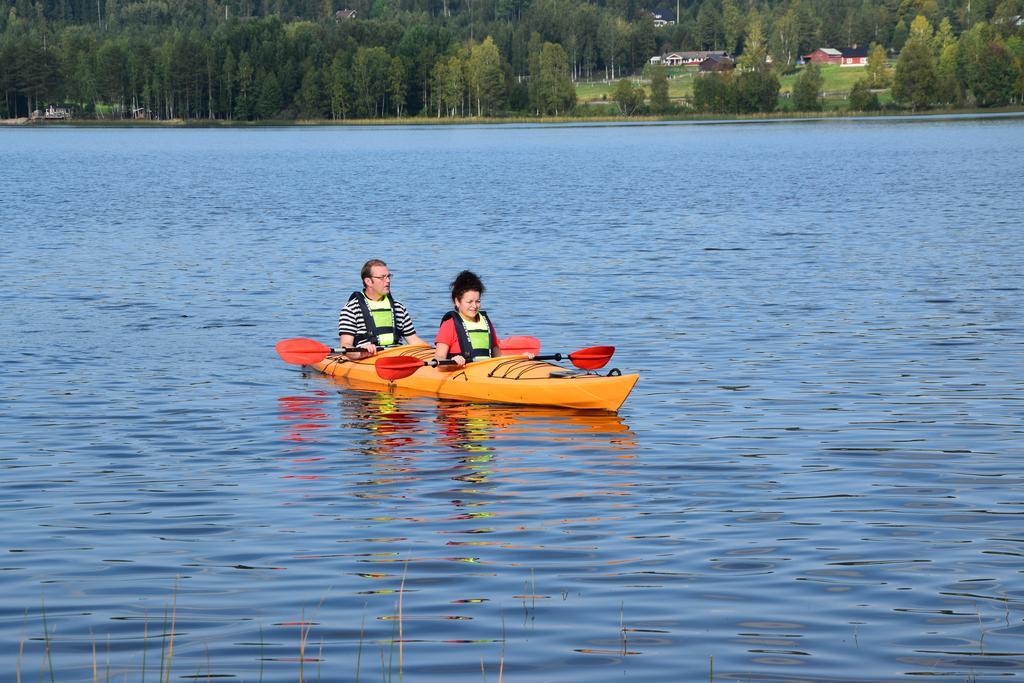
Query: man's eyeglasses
x=381, y=277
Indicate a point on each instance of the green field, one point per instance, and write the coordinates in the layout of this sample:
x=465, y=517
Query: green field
x=680, y=85
x=838, y=82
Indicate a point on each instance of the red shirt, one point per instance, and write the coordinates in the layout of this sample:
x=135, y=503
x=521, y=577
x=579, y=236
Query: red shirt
x=446, y=335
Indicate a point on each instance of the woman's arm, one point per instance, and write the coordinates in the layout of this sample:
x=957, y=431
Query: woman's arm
x=445, y=342
x=441, y=353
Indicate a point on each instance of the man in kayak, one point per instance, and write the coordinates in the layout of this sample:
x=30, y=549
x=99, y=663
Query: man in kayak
x=372, y=318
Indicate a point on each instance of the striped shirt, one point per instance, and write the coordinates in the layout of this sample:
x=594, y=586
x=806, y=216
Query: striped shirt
x=350, y=321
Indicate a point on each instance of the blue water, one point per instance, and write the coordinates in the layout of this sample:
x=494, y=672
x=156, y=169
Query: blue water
x=818, y=476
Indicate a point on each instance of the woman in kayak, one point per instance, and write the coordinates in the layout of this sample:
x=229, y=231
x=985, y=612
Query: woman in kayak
x=466, y=333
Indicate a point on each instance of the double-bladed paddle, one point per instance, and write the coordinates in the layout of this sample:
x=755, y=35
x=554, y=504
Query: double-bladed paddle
x=391, y=368
x=590, y=358
x=302, y=351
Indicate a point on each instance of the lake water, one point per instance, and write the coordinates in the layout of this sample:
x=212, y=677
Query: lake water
x=819, y=476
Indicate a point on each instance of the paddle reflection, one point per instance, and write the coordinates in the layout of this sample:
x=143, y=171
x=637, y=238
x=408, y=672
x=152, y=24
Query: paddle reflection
x=303, y=415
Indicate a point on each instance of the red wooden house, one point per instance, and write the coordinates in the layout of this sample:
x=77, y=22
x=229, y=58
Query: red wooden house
x=846, y=56
x=854, y=56
x=825, y=55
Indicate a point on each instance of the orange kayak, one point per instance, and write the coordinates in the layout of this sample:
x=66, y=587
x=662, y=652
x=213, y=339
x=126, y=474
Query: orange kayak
x=506, y=379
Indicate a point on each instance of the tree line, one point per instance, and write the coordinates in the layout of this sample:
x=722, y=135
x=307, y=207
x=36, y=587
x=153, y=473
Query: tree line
x=285, y=59
x=983, y=67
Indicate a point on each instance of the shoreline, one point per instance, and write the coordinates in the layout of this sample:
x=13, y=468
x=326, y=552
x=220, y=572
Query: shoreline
x=780, y=117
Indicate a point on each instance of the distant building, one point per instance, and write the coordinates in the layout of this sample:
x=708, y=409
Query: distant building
x=854, y=56
x=344, y=15
x=717, y=63
x=661, y=20
x=53, y=113
x=847, y=56
x=142, y=114
x=686, y=57
x=825, y=55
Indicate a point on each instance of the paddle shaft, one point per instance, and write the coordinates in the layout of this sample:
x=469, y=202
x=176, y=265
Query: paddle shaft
x=553, y=356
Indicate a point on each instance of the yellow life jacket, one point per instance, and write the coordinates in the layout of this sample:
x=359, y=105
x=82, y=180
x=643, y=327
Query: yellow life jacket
x=474, y=337
x=379, y=318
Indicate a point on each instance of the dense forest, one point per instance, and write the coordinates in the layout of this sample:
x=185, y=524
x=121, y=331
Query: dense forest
x=248, y=60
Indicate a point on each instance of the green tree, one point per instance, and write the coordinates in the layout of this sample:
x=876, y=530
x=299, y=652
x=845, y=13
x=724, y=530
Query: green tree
x=660, y=102
x=612, y=43
x=996, y=77
x=338, y=87
x=77, y=65
x=31, y=72
x=555, y=92
x=943, y=36
x=877, y=72
x=370, y=69
x=311, y=99
x=784, y=41
x=921, y=29
x=486, y=78
x=709, y=26
x=628, y=96
x=947, y=85
x=916, y=82
x=732, y=24
x=269, y=99
x=985, y=67
x=713, y=93
x=862, y=98
x=244, y=103
x=449, y=85
x=228, y=83
x=396, y=85
x=755, y=51
x=643, y=41
x=807, y=89
x=111, y=74
x=755, y=92
x=899, y=35
x=755, y=87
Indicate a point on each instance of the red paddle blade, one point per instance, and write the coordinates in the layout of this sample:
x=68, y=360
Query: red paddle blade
x=397, y=367
x=300, y=351
x=592, y=358
x=514, y=346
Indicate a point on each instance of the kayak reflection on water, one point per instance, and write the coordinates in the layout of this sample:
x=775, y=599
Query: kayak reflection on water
x=495, y=417
x=404, y=433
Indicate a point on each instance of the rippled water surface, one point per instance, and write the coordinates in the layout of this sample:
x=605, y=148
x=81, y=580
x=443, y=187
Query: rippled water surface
x=818, y=477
